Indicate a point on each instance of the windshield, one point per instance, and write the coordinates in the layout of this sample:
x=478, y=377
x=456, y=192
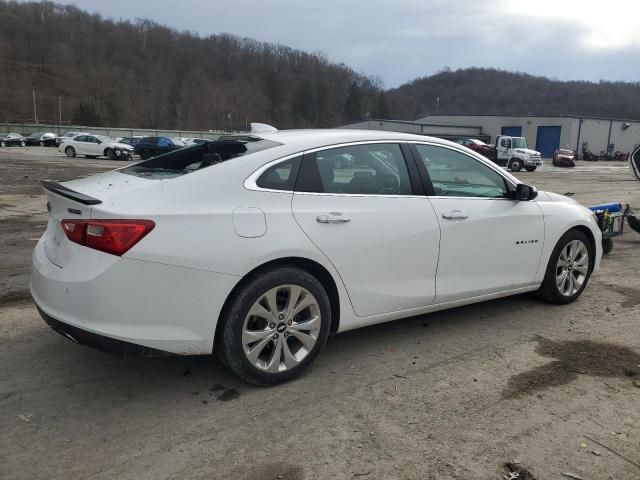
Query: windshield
x=565, y=152
x=187, y=160
x=103, y=139
x=519, y=142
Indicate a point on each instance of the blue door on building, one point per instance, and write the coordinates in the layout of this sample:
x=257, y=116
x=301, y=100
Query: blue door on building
x=548, y=140
x=512, y=131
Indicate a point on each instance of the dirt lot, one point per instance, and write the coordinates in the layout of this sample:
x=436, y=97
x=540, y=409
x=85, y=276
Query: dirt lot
x=453, y=395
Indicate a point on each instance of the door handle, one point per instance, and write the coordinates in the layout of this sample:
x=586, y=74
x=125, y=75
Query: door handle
x=333, y=217
x=455, y=215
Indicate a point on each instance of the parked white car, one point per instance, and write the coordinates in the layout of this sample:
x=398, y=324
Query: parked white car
x=69, y=136
x=258, y=247
x=93, y=146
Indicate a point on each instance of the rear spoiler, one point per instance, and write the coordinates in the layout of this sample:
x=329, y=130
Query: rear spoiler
x=71, y=194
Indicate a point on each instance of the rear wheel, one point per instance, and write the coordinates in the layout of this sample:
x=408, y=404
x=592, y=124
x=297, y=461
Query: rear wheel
x=275, y=326
x=516, y=165
x=607, y=245
x=568, y=270
x=70, y=152
x=3, y=144
x=22, y=144
x=42, y=144
x=530, y=168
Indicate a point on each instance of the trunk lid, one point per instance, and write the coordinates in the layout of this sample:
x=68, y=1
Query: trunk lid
x=76, y=200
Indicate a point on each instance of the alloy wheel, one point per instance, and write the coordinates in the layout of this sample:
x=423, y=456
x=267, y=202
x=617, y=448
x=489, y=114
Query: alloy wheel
x=281, y=328
x=572, y=268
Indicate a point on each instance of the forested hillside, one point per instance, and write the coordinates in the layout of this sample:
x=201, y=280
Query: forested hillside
x=490, y=91
x=141, y=74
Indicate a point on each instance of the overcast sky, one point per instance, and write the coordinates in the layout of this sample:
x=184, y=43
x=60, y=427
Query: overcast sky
x=399, y=40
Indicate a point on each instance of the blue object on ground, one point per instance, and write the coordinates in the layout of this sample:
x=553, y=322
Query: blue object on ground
x=612, y=207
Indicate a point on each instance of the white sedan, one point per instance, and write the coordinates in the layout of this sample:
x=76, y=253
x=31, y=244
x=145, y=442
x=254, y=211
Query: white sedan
x=93, y=146
x=257, y=248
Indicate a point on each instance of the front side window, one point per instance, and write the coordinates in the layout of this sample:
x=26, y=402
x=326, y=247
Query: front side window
x=374, y=169
x=454, y=174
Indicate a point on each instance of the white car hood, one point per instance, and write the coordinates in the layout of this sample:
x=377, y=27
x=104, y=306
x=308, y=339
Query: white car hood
x=557, y=198
x=121, y=146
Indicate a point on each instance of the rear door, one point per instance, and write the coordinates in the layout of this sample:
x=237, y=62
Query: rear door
x=363, y=209
x=489, y=241
x=82, y=145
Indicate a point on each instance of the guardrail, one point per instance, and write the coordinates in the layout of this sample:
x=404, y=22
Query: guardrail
x=28, y=128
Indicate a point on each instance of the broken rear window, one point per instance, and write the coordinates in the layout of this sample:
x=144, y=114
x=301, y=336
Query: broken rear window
x=187, y=160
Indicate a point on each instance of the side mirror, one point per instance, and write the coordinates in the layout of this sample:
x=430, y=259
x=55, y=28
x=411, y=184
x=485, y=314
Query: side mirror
x=526, y=192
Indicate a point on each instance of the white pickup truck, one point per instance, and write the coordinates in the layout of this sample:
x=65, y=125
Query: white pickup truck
x=513, y=153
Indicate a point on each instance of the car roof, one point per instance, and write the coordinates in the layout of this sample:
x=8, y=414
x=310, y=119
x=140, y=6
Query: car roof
x=319, y=138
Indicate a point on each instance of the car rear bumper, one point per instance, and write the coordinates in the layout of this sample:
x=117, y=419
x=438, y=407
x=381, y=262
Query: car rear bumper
x=147, y=304
x=109, y=345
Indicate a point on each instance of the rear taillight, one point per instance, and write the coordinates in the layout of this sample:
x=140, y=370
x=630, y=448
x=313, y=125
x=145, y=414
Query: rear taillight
x=110, y=236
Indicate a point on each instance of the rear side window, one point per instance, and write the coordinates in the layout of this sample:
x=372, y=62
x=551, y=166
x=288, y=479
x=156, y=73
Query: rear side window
x=281, y=176
x=374, y=169
x=187, y=160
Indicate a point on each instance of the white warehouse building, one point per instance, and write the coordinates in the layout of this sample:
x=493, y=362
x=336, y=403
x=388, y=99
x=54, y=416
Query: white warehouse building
x=543, y=133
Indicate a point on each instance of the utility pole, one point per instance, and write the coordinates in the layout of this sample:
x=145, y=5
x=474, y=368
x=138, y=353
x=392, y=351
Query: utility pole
x=59, y=115
x=35, y=111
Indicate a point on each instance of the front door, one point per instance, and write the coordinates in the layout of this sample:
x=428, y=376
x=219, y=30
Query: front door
x=489, y=242
x=358, y=206
x=503, y=151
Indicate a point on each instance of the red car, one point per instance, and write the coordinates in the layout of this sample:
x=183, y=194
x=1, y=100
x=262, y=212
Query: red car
x=479, y=146
x=564, y=158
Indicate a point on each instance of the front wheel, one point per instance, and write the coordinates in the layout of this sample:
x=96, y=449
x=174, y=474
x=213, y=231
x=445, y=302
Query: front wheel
x=111, y=155
x=42, y=144
x=516, y=165
x=22, y=144
x=530, y=168
x=568, y=270
x=70, y=152
x=275, y=326
x=607, y=246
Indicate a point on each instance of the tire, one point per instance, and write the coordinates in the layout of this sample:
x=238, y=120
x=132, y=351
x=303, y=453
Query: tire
x=70, y=152
x=274, y=336
x=516, y=165
x=562, y=294
x=110, y=154
x=530, y=169
x=144, y=155
x=633, y=222
x=3, y=144
x=607, y=245
x=22, y=144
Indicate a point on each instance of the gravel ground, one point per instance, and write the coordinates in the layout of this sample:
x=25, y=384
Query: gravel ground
x=469, y=393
